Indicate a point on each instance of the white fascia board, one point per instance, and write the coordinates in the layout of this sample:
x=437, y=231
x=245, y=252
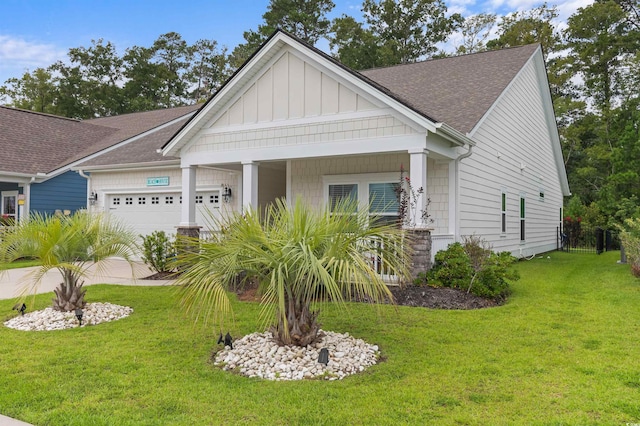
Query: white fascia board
x=552, y=124
x=156, y=165
x=16, y=177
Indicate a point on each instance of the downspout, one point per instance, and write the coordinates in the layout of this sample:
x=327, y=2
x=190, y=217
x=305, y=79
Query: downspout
x=460, y=158
x=87, y=177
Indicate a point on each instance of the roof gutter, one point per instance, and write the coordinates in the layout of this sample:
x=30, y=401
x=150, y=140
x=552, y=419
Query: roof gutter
x=453, y=135
x=162, y=164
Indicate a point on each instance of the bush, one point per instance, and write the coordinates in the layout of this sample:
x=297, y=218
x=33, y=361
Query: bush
x=630, y=237
x=472, y=267
x=159, y=251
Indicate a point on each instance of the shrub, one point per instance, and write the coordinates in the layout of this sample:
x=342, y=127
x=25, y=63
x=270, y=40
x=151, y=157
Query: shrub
x=159, y=251
x=630, y=237
x=472, y=267
x=452, y=268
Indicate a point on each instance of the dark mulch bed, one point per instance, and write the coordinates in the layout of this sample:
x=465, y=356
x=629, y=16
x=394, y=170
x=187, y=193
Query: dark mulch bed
x=421, y=296
x=439, y=298
x=425, y=297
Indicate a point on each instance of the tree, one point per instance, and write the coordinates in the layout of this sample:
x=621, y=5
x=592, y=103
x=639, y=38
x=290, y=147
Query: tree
x=35, y=91
x=299, y=258
x=599, y=38
x=394, y=32
x=533, y=26
x=70, y=244
x=410, y=29
x=475, y=31
x=306, y=19
x=355, y=46
x=91, y=85
x=173, y=55
x=208, y=71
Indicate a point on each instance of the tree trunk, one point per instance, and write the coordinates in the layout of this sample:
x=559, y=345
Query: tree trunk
x=69, y=294
x=302, y=326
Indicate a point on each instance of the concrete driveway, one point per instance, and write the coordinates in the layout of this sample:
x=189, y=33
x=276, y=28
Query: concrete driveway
x=14, y=282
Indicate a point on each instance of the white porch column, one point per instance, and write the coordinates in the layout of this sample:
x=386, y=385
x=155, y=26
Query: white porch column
x=249, y=185
x=188, y=210
x=418, y=177
x=24, y=209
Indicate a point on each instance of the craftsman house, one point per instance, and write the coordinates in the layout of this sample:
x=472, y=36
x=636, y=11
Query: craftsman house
x=476, y=131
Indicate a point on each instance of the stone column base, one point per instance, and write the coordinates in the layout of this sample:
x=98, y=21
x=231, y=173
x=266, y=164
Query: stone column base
x=420, y=241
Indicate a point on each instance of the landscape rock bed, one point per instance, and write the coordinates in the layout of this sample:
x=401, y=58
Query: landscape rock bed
x=49, y=319
x=258, y=355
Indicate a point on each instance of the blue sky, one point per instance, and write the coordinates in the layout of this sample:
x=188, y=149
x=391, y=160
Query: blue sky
x=37, y=33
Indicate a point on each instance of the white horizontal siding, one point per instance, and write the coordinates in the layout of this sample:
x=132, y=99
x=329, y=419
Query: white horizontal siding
x=513, y=152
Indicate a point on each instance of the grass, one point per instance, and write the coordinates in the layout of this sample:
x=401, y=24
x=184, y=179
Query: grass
x=22, y=263
x=563, y=350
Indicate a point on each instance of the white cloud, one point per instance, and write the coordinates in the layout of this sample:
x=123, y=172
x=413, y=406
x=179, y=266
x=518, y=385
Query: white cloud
x=17, y=52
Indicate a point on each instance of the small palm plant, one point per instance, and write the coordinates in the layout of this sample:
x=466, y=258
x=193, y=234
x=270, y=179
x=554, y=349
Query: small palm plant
x=300, y=258
x=70, y=244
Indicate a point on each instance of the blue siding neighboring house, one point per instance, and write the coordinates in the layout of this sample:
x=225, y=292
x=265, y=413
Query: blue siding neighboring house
x=67, y=191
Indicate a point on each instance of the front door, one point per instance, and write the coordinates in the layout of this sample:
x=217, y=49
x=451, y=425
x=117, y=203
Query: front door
x=9, y=207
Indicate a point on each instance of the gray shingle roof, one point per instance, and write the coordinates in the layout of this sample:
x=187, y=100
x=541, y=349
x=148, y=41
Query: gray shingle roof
x=33, y=143
x=37, y=143
x=458, y=90
x=142, y=150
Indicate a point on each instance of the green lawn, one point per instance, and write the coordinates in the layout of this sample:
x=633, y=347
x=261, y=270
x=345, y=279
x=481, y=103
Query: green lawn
x=22, y=263
x=565, y=349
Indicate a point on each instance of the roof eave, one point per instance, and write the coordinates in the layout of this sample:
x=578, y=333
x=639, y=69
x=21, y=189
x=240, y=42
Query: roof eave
x=131, y=166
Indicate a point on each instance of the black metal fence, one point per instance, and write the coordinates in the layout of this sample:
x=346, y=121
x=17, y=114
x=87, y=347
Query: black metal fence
x=583, y=239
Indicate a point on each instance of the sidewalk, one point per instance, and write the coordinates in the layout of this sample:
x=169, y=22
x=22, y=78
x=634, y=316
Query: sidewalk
x=113, y=271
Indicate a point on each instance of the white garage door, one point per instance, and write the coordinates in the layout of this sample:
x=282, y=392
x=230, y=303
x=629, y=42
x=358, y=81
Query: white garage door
x=148, y=212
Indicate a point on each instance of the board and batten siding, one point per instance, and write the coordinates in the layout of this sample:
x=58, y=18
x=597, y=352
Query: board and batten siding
x=294, y=103
x=67, y=191
x=307, y=179
x=513, y=153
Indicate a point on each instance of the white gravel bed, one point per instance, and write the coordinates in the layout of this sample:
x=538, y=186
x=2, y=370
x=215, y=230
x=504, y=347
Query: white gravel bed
x=50, y=319
x=258, y=355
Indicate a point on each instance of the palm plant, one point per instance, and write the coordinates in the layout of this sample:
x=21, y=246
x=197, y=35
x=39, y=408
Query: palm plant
x=300, y=259
x=70, y=244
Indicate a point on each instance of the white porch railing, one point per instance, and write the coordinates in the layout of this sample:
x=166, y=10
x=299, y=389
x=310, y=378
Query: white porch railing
x=373, y=247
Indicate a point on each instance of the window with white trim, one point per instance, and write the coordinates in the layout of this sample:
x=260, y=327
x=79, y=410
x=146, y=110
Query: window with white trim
x=377, y=191
x=503, y=212
x=522, y=217
x=341, y=193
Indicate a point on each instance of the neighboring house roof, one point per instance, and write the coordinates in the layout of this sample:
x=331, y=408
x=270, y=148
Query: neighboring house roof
x=33, y=143
x=144, y=150
x=456, y=90
x=131, y=125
